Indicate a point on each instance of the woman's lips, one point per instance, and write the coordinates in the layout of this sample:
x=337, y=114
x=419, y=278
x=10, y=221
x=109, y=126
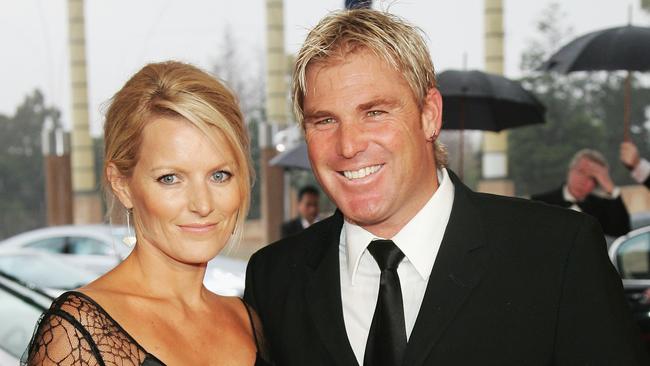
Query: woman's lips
x=197, y=228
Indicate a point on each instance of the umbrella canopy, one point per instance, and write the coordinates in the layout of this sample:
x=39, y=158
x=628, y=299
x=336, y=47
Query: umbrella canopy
x=294, y=158
x=477, y=100
x=620, y=48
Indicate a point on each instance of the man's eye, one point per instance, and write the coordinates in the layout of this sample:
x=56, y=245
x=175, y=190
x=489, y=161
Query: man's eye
x=221, y=176
x=324, y=121
x=375, y=113
x=168, y=179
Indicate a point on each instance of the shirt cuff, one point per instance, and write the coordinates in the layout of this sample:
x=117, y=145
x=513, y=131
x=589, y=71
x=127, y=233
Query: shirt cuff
x=616, y=193
x=642, y=170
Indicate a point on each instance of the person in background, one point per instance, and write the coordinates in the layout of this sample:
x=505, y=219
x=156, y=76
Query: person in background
x=414, y=268
x=590, y=189
x=308, y=200
x=639, y=167
x=177, y=159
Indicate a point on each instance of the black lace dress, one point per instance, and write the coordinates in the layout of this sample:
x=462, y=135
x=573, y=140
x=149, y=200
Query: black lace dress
x=77, y=331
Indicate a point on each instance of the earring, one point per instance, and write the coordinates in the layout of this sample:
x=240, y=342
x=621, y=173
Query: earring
x=434, y=136
x=129, y=239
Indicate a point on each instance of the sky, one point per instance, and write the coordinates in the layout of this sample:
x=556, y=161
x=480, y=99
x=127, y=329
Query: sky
x=124, y=35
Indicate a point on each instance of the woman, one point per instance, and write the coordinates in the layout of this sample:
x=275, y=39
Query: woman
x=177, y=159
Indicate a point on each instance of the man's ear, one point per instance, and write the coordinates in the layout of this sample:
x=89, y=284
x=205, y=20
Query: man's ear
x=119, y=185
x=432, y=114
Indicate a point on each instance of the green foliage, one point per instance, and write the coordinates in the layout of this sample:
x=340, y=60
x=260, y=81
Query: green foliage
x=22, y=186
x=583, y=111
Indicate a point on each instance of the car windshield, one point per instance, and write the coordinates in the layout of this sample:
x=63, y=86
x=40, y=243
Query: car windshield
x=17, y=320
x=43, y=271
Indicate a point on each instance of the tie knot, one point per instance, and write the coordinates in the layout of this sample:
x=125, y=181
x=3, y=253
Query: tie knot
x=386, y=254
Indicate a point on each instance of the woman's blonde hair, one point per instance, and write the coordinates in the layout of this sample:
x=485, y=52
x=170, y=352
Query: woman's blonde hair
x=389, y=37
x=175, y=89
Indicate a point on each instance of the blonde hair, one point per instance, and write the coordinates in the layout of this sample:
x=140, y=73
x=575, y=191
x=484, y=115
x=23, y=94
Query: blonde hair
x=389, y=37
x=175, y=89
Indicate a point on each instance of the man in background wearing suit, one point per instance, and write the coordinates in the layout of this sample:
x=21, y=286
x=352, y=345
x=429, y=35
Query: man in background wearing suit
x=308, y=198
x=639, y=168
x=415, y=268
x=590, y=189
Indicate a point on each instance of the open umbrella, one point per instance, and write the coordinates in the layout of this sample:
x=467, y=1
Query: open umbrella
x=477, y=100
x=621, y=48
x=294, y=158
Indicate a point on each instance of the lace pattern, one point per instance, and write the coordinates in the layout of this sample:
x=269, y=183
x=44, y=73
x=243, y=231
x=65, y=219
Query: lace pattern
x=77, y=331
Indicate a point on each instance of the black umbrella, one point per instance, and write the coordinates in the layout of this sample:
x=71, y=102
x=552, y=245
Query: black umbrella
x=294, y=158
x=621, y=48
x=477, y=100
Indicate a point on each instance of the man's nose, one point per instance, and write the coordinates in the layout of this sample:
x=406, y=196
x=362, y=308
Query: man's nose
x=351, y=139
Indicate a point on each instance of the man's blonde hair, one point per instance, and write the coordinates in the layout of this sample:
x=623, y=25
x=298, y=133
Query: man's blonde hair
x=400, y=44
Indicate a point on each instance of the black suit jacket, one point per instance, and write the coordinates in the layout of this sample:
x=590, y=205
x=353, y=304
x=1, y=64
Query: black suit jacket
x=291, y=227
x=610, y=213
x=514, y=283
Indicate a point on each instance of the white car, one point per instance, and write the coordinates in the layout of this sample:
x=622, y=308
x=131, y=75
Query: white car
x=99, y=248
x=41, y=270
x=96, y=248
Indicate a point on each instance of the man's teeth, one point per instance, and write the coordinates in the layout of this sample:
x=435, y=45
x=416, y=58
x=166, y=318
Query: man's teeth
x=361, y=173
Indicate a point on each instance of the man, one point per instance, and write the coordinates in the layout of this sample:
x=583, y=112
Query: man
x=639, y=168
x=514, y=282
x=590, y=189
x=308, y=197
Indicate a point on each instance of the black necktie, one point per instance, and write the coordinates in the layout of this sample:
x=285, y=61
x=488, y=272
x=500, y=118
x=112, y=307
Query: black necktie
x=387, y=338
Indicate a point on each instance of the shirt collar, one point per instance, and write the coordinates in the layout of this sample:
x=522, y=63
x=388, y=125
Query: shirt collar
x=567, y=195
x=419, y=239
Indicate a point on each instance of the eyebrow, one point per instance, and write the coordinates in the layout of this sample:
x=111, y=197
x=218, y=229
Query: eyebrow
x=361, y=107
x=378, y=102
x=222, y=165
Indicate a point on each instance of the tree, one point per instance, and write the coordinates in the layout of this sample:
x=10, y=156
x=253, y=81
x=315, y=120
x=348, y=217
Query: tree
x=22, y=184
x=584, y=110
x=247, y=83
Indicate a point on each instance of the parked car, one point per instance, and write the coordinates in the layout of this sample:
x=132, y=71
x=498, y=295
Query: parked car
x=630, y=254
x=226, y=276
x=96, y=248
x=99, y=248
x=20, y=308
x=42, y=270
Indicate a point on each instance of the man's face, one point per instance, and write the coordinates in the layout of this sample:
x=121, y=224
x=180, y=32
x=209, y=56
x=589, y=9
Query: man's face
x=367, y=140
x=308, y=207
x=580, y=182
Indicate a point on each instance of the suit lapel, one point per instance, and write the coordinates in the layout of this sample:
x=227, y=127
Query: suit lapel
x=458, y=268
x=323, y=295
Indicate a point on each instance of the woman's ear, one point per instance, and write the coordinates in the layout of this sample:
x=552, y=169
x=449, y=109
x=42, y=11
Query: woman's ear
x=119, y=185
x=432, y=114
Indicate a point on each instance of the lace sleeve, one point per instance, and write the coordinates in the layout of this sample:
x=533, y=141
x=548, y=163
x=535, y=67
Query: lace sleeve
x=60, y=340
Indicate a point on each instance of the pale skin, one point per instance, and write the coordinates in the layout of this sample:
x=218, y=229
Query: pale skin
x=585, y=176
x=363, y=120
x=629, y=154
x=185, y=210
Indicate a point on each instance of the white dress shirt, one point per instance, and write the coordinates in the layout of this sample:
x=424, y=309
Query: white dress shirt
x=419, y=240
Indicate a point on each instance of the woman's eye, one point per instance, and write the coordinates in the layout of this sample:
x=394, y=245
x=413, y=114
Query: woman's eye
x=221, y=176
x=168, y=179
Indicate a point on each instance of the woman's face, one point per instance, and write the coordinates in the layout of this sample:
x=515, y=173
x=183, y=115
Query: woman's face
x=184, y=191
